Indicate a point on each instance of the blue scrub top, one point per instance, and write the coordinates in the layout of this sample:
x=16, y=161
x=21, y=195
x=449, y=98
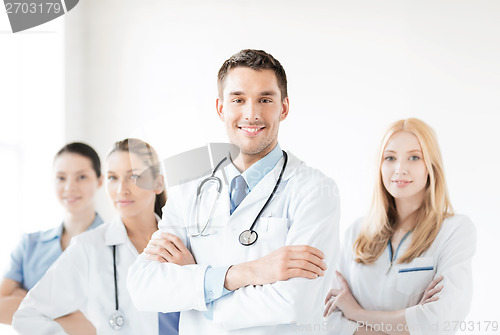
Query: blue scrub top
x=35, y=254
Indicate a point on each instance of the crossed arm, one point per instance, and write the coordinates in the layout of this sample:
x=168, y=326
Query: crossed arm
x=167, y=286
x=343, y=300
x=11, y=295
x=454, y=264
x=287, y=262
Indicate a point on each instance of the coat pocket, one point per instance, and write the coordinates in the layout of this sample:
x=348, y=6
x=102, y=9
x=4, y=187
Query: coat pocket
x=273, y=230
x=414, y=277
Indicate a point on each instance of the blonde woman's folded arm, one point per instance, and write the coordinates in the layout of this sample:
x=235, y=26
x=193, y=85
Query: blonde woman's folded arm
x=454, y=264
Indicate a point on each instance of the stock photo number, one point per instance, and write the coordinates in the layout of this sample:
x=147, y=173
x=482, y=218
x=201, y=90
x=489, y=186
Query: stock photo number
x=472, y=326
x=33, y=7
x=31, y=13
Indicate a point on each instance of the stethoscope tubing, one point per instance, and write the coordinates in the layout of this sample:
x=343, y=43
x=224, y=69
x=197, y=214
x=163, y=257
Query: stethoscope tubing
x=114, y=275
x=273, y=192
x=198, y=199
x=116, y=319
x=249, y=232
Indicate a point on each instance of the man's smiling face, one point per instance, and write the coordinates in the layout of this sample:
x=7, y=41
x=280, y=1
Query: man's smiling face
x=252, y=109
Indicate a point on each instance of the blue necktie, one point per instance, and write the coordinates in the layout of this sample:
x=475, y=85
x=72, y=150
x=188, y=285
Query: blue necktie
x=168, y=323
x=239, y=188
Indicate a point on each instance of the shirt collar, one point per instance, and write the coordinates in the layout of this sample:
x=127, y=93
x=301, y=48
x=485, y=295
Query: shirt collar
x=117, y=233
x=57, y=231
x=51, y=234
x=97, y=222
x=254, y=174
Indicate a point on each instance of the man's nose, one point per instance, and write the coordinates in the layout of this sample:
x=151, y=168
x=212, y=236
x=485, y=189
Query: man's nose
x=252, y=111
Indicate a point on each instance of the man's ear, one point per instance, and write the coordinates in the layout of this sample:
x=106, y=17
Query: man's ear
x=285, y=105
x=219, y=106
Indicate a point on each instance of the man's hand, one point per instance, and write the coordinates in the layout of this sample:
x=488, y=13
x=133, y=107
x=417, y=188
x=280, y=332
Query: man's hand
x=168, y=248
x=300, y=261
x=431, y=291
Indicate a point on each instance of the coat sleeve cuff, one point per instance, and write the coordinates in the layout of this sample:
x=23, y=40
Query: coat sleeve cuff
x=214, y=283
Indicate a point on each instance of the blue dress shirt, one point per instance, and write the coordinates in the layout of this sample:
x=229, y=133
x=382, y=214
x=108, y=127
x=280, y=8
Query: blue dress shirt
x=215, y=277
x=35, y=254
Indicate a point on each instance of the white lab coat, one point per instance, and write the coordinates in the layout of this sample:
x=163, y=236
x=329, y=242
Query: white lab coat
x=304, y=210
x=380, y=287
x=82, y=279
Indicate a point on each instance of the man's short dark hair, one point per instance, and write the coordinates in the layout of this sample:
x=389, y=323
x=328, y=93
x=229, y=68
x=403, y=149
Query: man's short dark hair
x=257, y=60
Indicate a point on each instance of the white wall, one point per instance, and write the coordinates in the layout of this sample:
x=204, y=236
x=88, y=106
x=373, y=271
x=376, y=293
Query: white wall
x=31, y=130
x=148, y=69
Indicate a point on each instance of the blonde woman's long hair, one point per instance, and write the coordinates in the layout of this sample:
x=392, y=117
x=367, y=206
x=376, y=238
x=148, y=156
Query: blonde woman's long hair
x=379, y=224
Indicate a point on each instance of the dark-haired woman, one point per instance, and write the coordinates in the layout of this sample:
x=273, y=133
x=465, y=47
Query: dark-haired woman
x=91, y=274
x=77, y=177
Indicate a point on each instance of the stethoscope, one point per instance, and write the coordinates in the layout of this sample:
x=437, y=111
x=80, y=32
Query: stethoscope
x=247, y=237
x=116, y=319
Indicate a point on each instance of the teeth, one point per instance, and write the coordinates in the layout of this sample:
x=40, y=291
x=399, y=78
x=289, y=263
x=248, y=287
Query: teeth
x=251, y=130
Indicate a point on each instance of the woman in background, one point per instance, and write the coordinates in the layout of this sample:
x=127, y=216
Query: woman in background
x=91, y=274
x=77, y=177
x=410, y=241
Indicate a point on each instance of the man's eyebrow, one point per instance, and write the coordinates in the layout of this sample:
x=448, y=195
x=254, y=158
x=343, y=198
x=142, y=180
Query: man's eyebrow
x=236, y=93
x=268, y=93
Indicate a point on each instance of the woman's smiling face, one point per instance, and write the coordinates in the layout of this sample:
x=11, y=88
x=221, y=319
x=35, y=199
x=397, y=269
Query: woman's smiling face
x=403, y=169
x=123, y=169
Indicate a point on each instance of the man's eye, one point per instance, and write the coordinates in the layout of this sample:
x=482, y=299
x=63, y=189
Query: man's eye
x=266, y=100
x=82, y=177
x=238, y=101
x=134, y=177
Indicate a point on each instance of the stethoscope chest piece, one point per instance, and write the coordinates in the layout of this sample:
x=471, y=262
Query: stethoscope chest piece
x=248, y=237
x=116, y=320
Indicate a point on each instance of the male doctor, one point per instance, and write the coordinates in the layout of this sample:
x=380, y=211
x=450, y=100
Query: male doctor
x=221, y=286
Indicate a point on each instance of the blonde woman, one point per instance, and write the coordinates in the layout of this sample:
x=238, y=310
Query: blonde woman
x=91, y=274
x=406, y=267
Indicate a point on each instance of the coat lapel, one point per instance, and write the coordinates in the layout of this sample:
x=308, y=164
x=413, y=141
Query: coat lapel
x=243, y=217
